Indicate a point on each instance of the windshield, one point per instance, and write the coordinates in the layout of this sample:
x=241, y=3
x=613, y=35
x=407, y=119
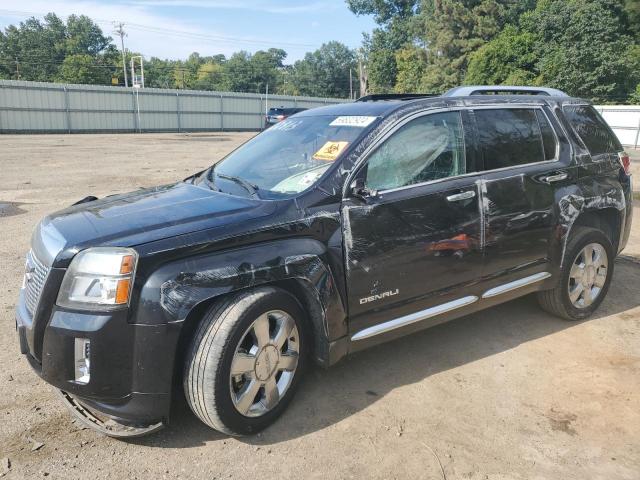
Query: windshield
x=292, y=155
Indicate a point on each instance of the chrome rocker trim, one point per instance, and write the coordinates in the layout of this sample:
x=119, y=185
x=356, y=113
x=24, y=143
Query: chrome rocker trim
x=447, y=307
x=523, y=282
x=414, y=317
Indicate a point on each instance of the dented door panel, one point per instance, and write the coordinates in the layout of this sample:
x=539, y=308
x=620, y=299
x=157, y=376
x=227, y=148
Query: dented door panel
x=409, y=247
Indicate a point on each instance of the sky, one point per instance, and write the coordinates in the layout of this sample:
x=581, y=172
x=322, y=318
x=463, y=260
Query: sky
x=176, y=28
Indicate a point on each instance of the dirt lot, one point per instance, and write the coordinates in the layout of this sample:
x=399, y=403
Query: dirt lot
x=509, y=393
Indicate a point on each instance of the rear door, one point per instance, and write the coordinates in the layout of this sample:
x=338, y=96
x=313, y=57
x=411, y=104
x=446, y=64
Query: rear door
x=525, y=163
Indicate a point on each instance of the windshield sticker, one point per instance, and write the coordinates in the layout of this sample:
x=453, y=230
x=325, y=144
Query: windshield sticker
x=358, y=121
x=330, y=151
x=285, y=126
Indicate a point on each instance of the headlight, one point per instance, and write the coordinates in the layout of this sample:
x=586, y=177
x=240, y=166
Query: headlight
x=99, y=279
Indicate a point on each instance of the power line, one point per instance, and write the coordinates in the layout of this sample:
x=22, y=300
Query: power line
x=174, y=32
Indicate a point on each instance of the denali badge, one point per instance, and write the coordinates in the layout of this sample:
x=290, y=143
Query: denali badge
x=379, y=296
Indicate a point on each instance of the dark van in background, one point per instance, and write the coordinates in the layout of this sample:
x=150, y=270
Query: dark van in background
x=278, y=114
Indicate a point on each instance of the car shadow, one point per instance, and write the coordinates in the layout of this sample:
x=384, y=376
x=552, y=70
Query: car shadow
x=328, y=396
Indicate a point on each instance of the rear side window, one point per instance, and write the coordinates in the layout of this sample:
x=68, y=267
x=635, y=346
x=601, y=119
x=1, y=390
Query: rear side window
x=512, y=136
x=592, y=129
x=549, y=141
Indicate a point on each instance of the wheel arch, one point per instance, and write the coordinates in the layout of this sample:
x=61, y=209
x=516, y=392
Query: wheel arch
x=302, y=290
x=178, y=293
x=600, y=204
x=608, y=220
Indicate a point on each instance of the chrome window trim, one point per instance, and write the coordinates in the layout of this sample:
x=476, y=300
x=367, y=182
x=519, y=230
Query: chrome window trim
x=364, y=157
x=413, y=318
x=522, y=282
x=367, y=153
x=471, y=174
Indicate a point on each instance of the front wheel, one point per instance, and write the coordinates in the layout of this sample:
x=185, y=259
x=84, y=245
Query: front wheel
x=586, y=275
x=245, y=360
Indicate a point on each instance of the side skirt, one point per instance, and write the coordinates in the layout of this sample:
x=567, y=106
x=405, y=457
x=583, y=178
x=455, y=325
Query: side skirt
x=447, y=307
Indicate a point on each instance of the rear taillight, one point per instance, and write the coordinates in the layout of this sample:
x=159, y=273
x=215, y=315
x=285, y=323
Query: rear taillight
x=625, y=162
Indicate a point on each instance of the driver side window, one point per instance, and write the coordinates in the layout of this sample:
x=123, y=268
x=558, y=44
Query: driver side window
x=427, y=148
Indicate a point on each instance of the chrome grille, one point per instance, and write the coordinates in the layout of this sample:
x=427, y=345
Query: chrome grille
x=35, y=276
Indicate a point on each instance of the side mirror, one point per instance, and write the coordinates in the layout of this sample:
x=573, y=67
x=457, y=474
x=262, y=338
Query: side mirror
x=359, y=189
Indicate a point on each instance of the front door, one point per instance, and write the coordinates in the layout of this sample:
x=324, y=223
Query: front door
x=413, y=237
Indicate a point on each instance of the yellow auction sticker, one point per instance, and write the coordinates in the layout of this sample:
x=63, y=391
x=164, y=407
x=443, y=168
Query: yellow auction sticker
x=330, y=151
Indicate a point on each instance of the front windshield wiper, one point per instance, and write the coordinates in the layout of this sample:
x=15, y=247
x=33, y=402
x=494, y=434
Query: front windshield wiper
x=249, y=187
x=205, y=176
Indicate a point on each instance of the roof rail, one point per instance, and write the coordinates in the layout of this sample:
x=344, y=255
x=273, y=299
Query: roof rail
x=376, y=97
x=466, y=91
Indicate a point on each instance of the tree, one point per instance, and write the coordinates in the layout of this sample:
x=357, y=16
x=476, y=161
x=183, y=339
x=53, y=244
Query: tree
x=82, y=36
x=635, y=96
x=395, y=18
x=211, y=76
x=411, y=62
x=325, y=72
x=159, y=73
x=82, y=68
x=632, y=10
x=582, y=47
x=508, y=59
x=35, y=50
x=453, y=30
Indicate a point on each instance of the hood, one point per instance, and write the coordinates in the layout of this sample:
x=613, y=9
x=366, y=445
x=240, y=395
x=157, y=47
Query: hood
x=141, y=217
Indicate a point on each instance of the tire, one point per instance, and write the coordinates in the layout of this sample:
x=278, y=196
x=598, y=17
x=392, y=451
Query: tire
x=229, y=335
x=557, y=301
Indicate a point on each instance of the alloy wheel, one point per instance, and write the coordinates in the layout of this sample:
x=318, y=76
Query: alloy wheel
x=588, y=275
x=264, y=363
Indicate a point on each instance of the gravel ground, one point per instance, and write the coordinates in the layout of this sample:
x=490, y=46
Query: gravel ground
x=508, y=393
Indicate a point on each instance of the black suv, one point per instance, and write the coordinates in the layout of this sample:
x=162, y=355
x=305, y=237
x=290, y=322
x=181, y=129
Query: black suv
x=336, y=229
x=278, y=114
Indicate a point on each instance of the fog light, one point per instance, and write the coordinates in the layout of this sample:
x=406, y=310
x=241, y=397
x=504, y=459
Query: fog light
x=82, y=365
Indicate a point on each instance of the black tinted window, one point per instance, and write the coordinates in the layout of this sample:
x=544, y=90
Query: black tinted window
x=548, y=137
x=592, y=129
x=509, y=137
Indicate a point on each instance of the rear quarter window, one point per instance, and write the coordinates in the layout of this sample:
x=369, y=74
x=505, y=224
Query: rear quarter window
x=592, y=129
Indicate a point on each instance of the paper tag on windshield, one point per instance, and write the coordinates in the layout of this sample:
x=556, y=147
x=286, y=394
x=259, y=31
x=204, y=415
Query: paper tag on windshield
x=358, y=121
x=330, y=151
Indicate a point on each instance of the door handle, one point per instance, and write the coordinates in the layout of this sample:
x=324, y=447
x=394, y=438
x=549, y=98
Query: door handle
x=556, y=177
x=461, y=196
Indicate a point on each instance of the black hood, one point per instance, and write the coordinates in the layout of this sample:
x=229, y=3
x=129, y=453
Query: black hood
x=141, y=217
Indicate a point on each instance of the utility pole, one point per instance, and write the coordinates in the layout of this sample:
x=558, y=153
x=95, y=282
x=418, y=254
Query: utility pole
x=17, y=68
x=120, y=31
x=363, y=75
x=350, y=85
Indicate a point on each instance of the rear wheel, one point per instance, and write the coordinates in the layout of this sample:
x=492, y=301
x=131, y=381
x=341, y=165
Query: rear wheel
x=586, y=275
x=246, y=360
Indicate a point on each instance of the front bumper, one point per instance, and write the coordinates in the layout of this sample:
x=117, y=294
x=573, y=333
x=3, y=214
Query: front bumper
x=131, y=365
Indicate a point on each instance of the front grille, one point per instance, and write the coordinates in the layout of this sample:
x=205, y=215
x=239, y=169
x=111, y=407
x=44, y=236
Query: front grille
x=35, y=277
